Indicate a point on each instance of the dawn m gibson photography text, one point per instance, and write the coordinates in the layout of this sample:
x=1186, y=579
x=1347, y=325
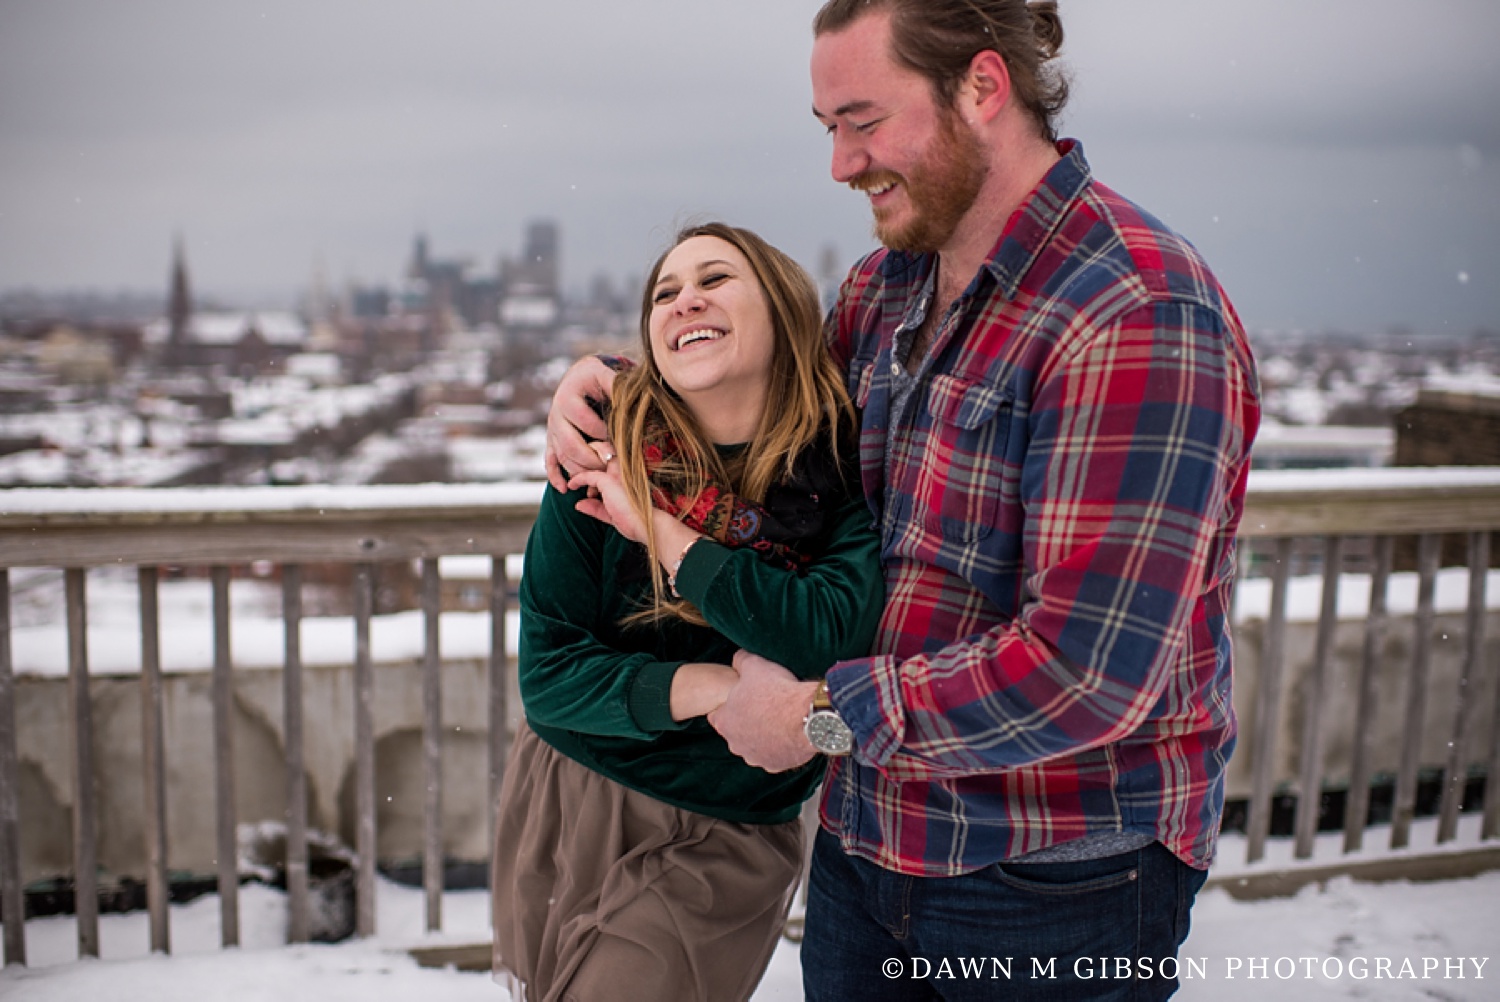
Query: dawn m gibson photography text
x=1358, y=968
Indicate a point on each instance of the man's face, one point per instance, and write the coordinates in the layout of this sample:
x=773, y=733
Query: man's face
x=920, y=165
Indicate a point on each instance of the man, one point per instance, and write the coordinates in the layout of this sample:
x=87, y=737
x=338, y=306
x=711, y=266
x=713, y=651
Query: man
x=1058, y=404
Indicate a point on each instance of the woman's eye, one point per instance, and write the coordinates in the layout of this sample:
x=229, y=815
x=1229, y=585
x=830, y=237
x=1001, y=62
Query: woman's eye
x=709, y=281
x=663, y=296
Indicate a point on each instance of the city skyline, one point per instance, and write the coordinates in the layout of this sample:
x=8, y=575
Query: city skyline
x=1337, y=162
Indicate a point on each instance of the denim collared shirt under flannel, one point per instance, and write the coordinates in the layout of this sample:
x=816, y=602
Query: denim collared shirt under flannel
x=1058, y=498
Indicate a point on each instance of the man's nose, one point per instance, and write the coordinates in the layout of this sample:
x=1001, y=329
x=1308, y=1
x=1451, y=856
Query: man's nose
x=849, y=158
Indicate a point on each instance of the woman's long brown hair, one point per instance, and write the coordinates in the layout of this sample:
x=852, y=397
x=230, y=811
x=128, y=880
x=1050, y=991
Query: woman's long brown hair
x=806, y=395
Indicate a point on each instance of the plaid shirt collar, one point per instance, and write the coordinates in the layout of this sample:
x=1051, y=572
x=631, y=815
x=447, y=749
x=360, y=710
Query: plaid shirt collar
x=1025, y=236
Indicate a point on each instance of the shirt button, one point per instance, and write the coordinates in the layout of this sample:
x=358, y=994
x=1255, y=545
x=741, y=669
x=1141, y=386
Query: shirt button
x=895, y=368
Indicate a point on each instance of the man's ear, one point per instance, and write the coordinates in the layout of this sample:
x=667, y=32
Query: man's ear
x=986, y=87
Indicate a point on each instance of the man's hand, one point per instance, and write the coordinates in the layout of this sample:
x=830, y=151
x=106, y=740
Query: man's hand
x=762, y=716
x=607, y=500
x=572, y=421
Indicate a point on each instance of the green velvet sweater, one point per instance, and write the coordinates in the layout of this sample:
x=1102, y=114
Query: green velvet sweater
x=598, y=692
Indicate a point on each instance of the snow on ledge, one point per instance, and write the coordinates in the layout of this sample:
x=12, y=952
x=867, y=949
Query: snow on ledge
x=229, y=500
x=233, y=500
x=1390, y=478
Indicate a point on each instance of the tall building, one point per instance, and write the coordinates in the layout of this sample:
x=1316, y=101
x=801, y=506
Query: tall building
x=531, y=299
x=179, y=309
x=540, y=258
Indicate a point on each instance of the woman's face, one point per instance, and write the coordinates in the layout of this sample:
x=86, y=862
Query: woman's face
x=711, y=333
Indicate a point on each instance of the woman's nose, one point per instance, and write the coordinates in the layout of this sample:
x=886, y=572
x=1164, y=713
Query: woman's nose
x=690, y=299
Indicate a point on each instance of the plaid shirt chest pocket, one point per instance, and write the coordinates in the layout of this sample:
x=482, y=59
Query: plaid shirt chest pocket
x=959, y=481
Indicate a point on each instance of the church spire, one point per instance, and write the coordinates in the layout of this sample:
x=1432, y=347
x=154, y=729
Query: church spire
x=180, y=304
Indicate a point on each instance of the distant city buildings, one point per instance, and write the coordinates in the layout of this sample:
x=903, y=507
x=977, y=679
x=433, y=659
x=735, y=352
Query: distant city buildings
x=446, y=372
x=520, y=298
x=443, y=375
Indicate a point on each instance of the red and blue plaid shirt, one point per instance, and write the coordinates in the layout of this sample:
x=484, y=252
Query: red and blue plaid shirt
x=1057, y=499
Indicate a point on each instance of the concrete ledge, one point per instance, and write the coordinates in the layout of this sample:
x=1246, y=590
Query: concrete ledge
x=1284, y=882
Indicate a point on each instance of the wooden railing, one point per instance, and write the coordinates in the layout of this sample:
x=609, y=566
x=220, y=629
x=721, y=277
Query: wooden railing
x=1339, y=512
x=1370, y=515
x=293, y=527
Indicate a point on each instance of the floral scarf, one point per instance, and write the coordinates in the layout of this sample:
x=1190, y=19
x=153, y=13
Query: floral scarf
x=796, y=507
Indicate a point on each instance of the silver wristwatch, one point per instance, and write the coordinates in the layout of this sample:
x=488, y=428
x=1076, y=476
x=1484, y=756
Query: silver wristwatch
x=825, y=729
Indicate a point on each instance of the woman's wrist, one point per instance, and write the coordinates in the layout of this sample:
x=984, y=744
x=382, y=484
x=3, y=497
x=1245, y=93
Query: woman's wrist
x=673, y=541
x=699, y=688
x=676, y=565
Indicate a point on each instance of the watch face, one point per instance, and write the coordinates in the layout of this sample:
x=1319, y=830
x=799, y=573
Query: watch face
x=829, y=734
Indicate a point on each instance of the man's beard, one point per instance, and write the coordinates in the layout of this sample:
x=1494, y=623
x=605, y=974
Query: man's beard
x=941, y=189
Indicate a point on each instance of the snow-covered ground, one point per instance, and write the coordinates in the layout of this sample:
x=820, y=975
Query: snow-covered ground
x=1383, y=942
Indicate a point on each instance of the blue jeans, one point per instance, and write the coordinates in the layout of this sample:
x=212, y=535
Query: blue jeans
x=1100, y=929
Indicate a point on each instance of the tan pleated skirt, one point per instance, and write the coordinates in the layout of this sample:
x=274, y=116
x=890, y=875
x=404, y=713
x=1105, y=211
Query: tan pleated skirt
x=603, y=894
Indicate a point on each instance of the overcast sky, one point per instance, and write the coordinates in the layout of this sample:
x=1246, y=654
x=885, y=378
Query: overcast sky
x=1338, y=161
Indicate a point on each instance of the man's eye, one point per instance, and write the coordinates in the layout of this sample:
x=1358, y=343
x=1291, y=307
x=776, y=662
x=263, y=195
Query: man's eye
x=864, y=128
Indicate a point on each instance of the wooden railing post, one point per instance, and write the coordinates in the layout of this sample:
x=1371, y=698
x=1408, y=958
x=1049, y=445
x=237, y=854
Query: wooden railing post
x=432, y=745
x=296, y=771
x=1404, y=808
x=499, y=685
x=364, y=752
x=1310, y=782
x=226, y=828
x=1490, y=826
x=1456, y=769
x=85, y=842
x=154, y=762
x=1268, y=709
x=1357, y=806
x=12, y=894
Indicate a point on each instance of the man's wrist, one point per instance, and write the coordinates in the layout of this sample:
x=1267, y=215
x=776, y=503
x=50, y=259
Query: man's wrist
x=822, y=726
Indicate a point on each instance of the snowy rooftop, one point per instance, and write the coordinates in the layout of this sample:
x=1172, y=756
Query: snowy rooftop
x=1476, y=384
x=136, y=466
x=277, y=327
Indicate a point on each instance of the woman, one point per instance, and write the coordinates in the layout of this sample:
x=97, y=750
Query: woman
x=636, y=856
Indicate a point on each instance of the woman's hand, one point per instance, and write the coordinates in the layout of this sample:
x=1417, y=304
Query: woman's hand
x=571, y=418
x=607, y=500
x=699, y=688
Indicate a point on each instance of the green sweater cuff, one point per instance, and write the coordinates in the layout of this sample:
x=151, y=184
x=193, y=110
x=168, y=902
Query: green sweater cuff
x=650, y=697
x=699, y=568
